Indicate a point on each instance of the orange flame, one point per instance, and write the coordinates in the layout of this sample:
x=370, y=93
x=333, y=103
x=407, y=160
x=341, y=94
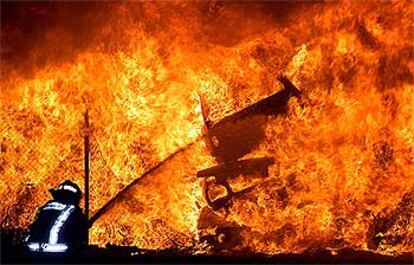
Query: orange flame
x=344, y=152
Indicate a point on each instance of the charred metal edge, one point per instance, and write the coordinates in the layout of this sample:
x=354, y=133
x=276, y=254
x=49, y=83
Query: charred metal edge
x=270, y=106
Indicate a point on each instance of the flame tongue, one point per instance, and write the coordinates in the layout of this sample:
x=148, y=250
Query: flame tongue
x=344, y=151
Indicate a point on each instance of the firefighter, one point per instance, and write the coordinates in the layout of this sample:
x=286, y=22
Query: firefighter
x=60, y=225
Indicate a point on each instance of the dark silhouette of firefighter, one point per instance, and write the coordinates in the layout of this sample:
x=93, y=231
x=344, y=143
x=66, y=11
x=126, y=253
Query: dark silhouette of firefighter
x=60, y=225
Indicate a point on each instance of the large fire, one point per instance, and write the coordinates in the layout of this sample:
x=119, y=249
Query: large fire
x=151, y=73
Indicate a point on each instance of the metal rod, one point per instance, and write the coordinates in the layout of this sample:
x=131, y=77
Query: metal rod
x=86, y=167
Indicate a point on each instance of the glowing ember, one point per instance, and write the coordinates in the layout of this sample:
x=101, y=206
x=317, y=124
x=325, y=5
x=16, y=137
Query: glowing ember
x=146, y=72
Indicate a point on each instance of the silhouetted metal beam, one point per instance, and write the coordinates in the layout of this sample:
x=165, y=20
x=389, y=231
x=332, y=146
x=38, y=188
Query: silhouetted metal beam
x=87, y=169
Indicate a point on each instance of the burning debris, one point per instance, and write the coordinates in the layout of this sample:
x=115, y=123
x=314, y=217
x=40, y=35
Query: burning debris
x=229, y=139
x=191, y=145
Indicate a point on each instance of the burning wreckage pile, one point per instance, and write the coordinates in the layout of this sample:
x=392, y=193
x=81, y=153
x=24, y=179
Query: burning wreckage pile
x=272, y=127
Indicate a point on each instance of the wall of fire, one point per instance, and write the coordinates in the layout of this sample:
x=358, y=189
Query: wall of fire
x=344, y=151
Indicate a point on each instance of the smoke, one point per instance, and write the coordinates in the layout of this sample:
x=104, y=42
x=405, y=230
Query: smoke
x=35, y=35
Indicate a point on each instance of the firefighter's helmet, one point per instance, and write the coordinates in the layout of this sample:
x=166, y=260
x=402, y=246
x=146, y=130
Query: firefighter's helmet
x=67, y=191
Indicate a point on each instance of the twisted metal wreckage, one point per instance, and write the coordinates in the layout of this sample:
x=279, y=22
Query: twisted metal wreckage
x=228, y=140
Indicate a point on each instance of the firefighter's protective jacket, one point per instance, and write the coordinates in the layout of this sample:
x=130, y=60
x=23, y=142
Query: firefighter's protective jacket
x=58, y=227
